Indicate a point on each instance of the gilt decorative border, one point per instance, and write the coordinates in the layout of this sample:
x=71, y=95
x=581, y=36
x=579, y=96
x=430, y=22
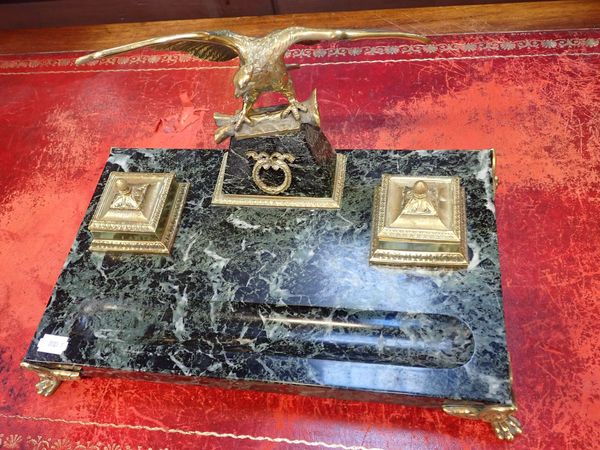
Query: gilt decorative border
x=20, y=441
x=460, y=47
x=454, y=48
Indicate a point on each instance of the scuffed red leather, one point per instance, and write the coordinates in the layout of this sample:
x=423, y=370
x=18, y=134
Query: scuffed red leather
x=534, y=97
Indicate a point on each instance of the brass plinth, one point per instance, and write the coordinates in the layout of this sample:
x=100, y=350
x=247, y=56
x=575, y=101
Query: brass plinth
x=138, y=213
x=419, y=221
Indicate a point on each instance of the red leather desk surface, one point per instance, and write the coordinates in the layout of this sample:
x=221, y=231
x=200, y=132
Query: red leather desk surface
x=534, y=97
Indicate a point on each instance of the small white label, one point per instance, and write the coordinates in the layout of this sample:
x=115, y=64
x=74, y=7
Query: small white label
x=50, y=343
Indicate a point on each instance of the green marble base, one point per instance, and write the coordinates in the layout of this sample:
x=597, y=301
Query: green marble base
x=285, y=299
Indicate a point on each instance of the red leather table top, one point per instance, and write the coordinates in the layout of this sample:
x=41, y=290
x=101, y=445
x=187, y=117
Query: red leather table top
x=534, y=97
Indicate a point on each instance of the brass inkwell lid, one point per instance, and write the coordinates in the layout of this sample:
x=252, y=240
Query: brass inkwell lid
x=419, y=221
x=138, y=213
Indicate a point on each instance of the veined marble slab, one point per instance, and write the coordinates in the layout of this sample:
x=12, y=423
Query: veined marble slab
x=270, y=297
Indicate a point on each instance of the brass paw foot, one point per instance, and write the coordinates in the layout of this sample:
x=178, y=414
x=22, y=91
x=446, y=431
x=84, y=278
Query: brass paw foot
x=506, y=426
x=50, y=379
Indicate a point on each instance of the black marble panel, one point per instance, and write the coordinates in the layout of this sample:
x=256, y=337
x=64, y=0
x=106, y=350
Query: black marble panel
x=274, y=297
x=312, y=169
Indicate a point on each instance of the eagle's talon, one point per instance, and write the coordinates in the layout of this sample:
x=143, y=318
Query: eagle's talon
x=294, y=107
x=241, y=120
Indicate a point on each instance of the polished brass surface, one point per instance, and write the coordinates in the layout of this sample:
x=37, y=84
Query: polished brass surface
x=419, y=221
x=275, y=161
x=132, y=202
x=495, y=179
x=129, y=197
x=262, y=67
x=500, y=417
x=50, y=379
x=276, y=201
x=138, y=213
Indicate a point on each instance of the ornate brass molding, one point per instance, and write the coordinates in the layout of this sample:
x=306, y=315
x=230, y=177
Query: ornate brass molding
x=50, y=379
x=129, y=197
x=275, y=201
x=138, y=213
x=419, y=221
x=275, y=161
x=500, y=417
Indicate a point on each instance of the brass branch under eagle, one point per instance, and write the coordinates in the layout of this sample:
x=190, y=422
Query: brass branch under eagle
x=262, y=68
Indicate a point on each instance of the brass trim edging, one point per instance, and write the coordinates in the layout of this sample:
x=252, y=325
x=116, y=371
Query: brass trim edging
x=495, y=179
x=272, y=201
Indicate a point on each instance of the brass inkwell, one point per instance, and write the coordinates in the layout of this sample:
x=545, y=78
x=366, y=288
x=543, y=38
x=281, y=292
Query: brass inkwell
x=419, y=221
x=138, y=213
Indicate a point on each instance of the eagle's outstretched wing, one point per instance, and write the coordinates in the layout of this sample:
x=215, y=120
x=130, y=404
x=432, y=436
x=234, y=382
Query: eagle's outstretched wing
x=209, y=45
x=301, y=35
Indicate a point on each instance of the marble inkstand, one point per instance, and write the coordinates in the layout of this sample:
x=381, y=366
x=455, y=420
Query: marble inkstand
x=284, y=265
x=285, y=299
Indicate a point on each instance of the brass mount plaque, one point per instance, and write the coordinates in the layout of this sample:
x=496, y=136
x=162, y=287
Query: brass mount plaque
x=138, y=213
x=419, y=221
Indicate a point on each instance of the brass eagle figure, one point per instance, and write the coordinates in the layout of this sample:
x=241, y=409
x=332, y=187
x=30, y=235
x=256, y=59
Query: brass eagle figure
x=262, y=68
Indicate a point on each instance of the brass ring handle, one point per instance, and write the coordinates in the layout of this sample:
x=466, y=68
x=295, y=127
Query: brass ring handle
x=275, y=161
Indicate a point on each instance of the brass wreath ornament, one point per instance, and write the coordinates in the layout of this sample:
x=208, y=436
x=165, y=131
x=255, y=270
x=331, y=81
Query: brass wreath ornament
x=275, y=161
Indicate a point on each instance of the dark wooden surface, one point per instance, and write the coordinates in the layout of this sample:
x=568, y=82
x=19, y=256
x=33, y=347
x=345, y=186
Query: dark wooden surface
x=556, y=15
x=54, y=13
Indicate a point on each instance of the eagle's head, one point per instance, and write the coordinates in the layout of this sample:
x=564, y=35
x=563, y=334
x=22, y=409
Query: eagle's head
x=241, y=80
